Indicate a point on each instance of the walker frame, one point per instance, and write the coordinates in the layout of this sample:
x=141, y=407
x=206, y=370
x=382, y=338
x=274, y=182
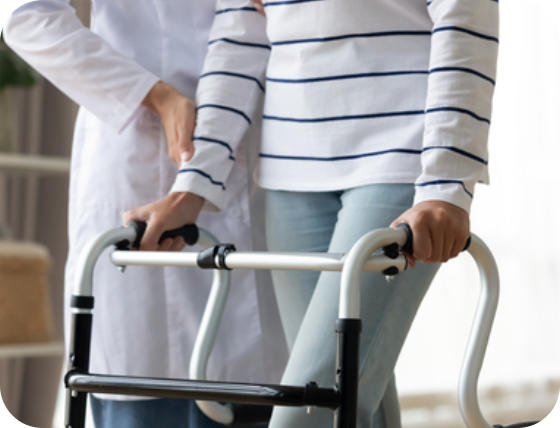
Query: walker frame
x=256, y=399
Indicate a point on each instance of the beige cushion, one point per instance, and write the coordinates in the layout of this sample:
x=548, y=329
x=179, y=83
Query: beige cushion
x=25, y=309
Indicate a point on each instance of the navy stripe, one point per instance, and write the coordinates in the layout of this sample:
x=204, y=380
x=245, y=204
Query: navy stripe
x=204, y=174
x=381, y=74
x=346, y=76
x=286, y=2
x=429, y=2
x=229, y=73
x=349, y=117
x=374, y=115
x=237, y=42
x=464, y=30
x=464, y=70
x=456, y=150
x=352, y=36
x=339, y=158
x=436, y=182
x=459, y=110
x=237, y=9
x=220, y=142
x=233, y=110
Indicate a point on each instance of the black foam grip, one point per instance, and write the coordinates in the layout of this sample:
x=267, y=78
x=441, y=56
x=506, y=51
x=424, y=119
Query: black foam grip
x=189, y=233
x=467, y=244
x=408, y=245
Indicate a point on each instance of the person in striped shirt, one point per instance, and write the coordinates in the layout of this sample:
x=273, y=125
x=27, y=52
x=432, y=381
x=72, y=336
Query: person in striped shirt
x=376, y=112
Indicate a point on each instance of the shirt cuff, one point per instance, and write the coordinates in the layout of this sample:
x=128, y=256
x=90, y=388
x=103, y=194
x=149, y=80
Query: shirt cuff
x=456, y=193
x=198, y=182
x=131, y=106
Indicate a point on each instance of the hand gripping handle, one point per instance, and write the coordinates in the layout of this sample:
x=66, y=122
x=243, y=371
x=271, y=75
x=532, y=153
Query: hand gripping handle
x=189, y=233
x=408, y=245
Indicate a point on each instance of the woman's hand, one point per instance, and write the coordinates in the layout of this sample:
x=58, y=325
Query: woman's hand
x=170, y=212
x=178, y=116
x=440, y=231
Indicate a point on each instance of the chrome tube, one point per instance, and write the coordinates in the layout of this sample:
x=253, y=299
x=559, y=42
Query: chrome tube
x=206, y=335
x=88, y=258
x=256, y=260
x=479, y=335
x=349, y=304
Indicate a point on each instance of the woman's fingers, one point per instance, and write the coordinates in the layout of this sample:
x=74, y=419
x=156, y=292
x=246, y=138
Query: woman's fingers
x=150, y=240
x=440, y=230
x=422, y=243
x=166, y=245
x=177, y=244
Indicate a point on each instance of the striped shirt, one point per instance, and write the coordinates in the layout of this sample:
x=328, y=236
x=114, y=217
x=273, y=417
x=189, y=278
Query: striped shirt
x=355, y=92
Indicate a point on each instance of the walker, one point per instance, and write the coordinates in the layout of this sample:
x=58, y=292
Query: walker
x=379, y=250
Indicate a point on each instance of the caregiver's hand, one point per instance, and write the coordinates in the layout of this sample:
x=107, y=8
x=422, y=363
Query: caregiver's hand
x=170, y=212
x=178, y=115
x=440, y=231
x=259, y=5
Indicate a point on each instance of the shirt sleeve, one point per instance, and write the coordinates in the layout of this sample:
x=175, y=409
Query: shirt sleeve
x=459, y=99
x=48, y=35
x=229, y=91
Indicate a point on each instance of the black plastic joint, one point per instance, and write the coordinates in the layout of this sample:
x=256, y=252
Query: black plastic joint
x=310, y=391
x=391, y=251
x=215, y=257
x=391, y=271
x=348, y=325
x=82, y=302
x=123, y=245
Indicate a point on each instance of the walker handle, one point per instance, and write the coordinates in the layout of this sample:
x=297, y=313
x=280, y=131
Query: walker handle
x=407, y=247
x=189, y=233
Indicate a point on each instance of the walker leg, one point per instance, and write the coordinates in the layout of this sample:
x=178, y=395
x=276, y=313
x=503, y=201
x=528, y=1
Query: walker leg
x=347, y=367
x=78, y=359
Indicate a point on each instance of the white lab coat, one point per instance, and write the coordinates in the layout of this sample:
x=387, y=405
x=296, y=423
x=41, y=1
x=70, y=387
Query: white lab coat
x=145, y=320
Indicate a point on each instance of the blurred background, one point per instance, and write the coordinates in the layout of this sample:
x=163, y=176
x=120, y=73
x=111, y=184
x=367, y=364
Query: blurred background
x=518, y=216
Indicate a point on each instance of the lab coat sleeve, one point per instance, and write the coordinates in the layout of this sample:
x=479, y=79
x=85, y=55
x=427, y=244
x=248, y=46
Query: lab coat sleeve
x=459, y=100
x=49, y=36
x=230, y=89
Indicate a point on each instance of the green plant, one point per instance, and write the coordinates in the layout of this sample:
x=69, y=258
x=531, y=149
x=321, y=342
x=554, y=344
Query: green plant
x=13, y=71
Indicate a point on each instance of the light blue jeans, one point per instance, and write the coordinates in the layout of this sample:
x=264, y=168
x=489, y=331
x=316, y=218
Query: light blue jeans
x=156, y=413
x=308, y=301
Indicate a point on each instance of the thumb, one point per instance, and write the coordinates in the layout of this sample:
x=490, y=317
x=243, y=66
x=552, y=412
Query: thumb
x=185, y=156
x=396, y=222
x=133, y=215
x=185, y=145
x=186, y=148
x=182, y=152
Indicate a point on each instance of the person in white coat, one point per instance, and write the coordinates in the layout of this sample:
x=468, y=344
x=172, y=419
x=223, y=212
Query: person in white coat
x=134, y=74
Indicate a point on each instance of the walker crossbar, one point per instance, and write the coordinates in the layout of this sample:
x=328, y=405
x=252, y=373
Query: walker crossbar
x=309, y=395
x=342, y=398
